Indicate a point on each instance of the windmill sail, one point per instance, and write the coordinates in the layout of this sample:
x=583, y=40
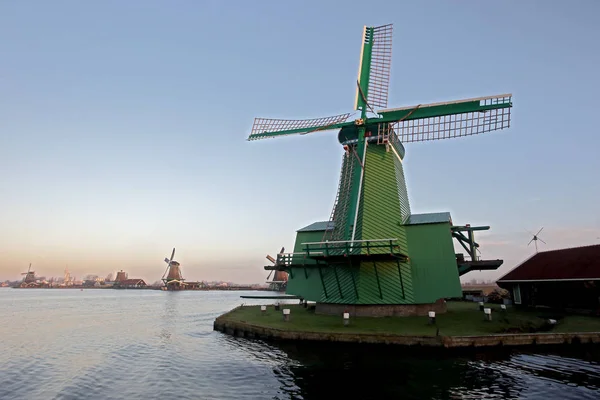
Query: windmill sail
x=266, y=128
x=374, y=67
x=449, y=119
x=381, y=63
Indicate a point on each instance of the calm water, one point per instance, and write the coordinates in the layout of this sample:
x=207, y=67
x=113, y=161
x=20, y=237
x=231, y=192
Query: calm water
x=108, y=344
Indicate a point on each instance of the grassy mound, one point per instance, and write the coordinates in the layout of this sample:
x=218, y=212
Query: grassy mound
x=462, y=319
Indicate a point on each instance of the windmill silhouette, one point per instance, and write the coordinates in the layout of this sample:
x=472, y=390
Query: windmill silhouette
x=29, y=275
x=279, y=282
x=535, y=238
x=174, y=279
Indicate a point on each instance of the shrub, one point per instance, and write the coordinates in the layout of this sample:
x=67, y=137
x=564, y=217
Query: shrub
x=498, y=295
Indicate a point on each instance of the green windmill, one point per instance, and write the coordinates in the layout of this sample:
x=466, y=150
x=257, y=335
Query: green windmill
x=373, y=257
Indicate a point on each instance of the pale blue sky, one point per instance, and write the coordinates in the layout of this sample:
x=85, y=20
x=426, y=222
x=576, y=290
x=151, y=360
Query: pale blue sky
x=123, y=126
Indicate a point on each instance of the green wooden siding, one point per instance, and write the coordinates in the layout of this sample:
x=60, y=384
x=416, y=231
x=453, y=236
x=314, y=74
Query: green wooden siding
x=381, y=209
x=379, y=283
x=433, y=262
x=298, y=284
x=431, y=272
x=402, y=191
x=339, y=280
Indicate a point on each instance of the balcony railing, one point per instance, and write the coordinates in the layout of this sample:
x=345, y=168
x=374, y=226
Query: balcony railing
x=346, y=248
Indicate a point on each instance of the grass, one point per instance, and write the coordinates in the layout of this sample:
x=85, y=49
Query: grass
x=462, y=319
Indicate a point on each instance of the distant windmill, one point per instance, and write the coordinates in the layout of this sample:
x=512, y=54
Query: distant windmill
x=174, y=279
x=535, y=238
x=29, y=275
x=67, y=279
x=280, y=278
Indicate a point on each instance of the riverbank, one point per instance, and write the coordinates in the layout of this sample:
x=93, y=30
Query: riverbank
x=464, y=325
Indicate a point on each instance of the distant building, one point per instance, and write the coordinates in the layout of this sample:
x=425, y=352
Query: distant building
x=131, y=283
x=29, y=284
x=194, y=285
x=566, y=278
x=121, y=276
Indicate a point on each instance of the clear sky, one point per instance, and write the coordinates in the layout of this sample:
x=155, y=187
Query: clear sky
x=123, y=126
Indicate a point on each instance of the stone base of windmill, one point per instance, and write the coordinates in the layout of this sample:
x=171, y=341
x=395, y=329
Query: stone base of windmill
x=381, y=310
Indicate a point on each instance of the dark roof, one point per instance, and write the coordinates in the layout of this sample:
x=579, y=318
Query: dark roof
x=317, y=226
x=131, y=281
x=430, y=218
x=579, y=263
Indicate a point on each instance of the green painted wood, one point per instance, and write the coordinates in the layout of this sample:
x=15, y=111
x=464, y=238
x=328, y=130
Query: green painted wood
x=386, y=277
x=431, y=271
x=433, y=262
x=365, y=71
x=305, y=281
x=402, y=190
x=345, y=292
x=382, y=208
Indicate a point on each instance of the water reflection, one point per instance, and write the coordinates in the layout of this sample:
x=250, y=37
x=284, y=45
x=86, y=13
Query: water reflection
x=375, y=372
x=100, y=344
x=169, y=318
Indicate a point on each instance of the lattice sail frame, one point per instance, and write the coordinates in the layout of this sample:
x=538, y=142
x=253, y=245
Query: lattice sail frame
x=455, y=125
x=381, y=63
x=263, y=126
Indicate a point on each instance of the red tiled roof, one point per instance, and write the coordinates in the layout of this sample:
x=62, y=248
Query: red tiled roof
x=573, y=263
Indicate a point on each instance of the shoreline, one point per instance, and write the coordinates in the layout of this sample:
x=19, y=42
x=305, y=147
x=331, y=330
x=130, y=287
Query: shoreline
x=231, y=325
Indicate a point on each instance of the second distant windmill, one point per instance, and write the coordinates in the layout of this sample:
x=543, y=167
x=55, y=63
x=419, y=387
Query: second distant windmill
x=174, y=280
x=535, y=239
